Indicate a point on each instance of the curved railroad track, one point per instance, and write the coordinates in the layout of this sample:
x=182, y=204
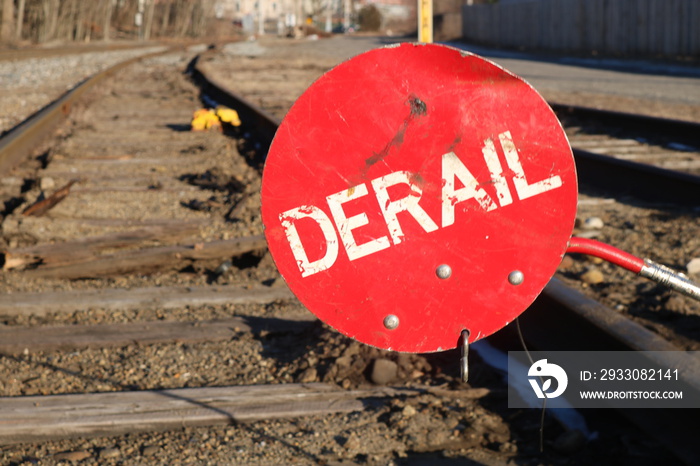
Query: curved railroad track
x=148, y=284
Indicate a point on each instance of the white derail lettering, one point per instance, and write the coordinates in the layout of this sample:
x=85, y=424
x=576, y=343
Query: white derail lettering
x=346, y=225
x=522, y=187
x=306, y=267
x=496, y=169
x=408, y=204
x=453, y=170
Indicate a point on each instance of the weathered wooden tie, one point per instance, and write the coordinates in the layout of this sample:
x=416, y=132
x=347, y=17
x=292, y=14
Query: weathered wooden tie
x=66, y=337
x=167, y=297
x=39, y=418
x=148, y=260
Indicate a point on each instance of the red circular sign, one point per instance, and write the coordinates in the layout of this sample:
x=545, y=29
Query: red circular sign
x=415, y=191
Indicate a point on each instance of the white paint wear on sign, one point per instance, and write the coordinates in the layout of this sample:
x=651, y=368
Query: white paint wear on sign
x=452, y=169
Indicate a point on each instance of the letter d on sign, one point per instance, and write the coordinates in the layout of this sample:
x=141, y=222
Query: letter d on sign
x=306, y=267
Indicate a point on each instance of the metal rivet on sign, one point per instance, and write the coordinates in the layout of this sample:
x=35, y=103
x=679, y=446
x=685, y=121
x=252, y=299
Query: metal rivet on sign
x=516, y=277
x=391, y=322
x=444, y=271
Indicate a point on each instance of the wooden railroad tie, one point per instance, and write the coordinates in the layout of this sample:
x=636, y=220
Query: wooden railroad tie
x=14, y=340
x=39, y=418
x=56, y=263
x=166, y=297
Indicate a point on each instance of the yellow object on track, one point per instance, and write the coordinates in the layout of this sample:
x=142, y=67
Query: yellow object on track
x=204, y=120
x=228, y=115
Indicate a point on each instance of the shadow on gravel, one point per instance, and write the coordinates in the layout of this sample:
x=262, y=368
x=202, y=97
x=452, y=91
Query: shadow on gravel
x=178, y=127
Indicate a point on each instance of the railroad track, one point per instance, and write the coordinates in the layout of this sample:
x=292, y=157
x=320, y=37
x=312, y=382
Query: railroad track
x=169, y=215
x=666, y=143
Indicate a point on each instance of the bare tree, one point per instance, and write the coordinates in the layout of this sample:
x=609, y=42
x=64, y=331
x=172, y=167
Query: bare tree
x=77, y=19
x=165, y=17
x=51, y=9
x=199, y=17
x=8, y=20
x=20, y=20
x=65, y=25
x=149, y=19
x=85, y=20
x=183, y=16
x=107, y=19
x=89, y=15
x=41, y=20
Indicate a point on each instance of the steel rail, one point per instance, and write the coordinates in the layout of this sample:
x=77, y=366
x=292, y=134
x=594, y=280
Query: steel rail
x=18, y=143
x=686, y=132
x=645, y=182
x=642, y=181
